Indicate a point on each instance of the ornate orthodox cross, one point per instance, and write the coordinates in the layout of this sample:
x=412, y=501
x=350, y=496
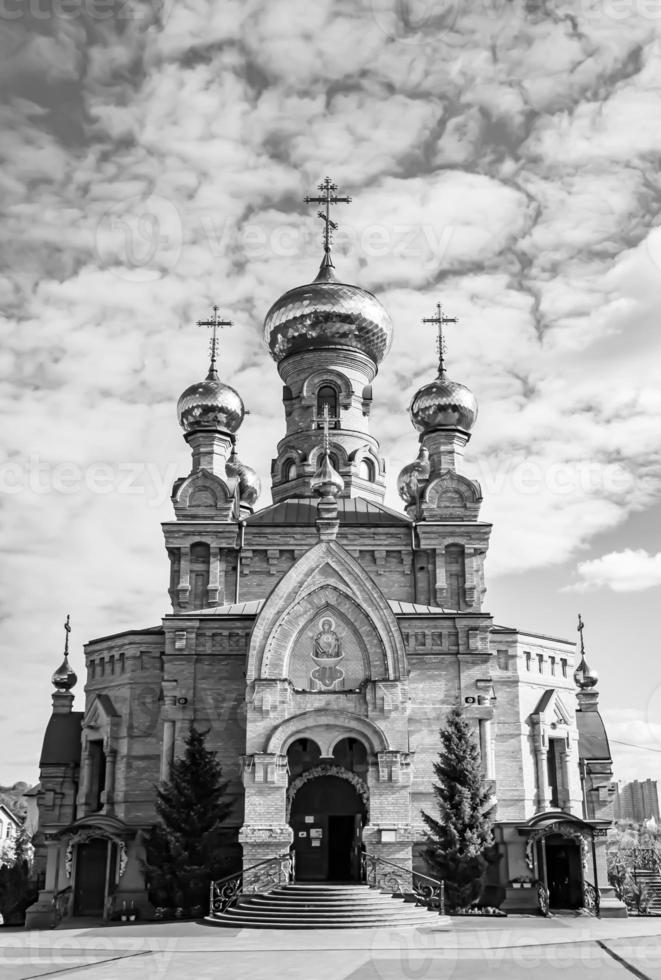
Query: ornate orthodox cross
x=580, y=628
x=440, y=320
x=325, y=421
x=329, y=197
x=67, y=630
x=215, y=323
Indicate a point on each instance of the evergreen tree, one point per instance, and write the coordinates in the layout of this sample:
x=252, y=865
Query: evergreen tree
x=188, y=848
x=17, y=890
x=461, y=834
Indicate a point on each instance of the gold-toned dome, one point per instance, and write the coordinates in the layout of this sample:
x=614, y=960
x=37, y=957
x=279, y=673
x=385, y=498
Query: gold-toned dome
x=412, y=476
x=250, y=486
x=210, y=404
x=443, y=404
x=326, y=314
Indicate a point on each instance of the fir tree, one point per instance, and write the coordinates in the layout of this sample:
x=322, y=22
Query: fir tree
x=17, y=890
x=461, y=833
x=189, y=847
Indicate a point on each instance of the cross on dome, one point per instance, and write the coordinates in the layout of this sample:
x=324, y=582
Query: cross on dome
x=329, y=197
x=580, y=628
x=325, y=420
x=67, y=630
x=215, y=323
x=440, y=320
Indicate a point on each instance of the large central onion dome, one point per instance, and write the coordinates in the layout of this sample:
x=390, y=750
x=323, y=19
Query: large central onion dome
x=210, y=404
x=443, y=404
x=327, y=314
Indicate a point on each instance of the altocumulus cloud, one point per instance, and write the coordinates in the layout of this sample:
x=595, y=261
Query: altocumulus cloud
x=502, y=158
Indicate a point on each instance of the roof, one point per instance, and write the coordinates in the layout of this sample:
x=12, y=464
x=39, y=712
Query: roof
x=350, y=510
x=113, y=636
x=11, y=814
x=592, y=737
x=533, y=636
x=255, y=606
x=62, y=740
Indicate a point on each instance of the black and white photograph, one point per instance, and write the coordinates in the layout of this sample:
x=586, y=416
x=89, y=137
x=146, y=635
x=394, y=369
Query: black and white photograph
x=330, y=489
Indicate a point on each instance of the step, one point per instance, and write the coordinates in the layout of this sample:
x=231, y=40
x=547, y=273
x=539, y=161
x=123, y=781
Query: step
x=323, y=922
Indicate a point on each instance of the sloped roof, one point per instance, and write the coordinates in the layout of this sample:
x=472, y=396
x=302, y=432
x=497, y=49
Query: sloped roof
x=253, y=607
x=592, y=737
x=62, y=740
x=350, y=510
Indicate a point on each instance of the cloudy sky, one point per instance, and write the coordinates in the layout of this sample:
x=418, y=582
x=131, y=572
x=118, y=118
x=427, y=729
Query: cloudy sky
x=503, y=157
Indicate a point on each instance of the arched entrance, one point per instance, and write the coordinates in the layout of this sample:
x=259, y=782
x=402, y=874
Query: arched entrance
x=328, y=811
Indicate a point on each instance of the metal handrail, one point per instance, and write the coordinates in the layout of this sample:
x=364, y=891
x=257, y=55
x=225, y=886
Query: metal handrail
x=426, y=890
x=591, y=897
x=261, y=877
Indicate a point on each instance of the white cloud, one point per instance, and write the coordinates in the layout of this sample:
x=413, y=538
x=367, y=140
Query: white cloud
x=620, y=571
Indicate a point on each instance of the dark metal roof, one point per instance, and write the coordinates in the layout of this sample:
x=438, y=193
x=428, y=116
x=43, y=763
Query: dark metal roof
x=592, y=737
x=62, y=740
x=350, y=510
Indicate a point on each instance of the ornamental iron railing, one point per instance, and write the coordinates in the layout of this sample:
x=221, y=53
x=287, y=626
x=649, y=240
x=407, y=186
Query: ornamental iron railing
x=389, y=877
x=258, y=879
x=591, y=897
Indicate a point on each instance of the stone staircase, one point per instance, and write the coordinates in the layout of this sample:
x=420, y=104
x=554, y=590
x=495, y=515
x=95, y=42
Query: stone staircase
x=325, y=906
x=653, y=879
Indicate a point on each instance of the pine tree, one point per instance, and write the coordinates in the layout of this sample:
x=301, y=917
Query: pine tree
x=189, y=847
x=461, y=834
x=17, y=890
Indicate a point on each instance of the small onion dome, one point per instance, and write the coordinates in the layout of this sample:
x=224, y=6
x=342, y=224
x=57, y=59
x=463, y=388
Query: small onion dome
x=64, y=677
x=328, y=314
x=250, y=485
x=327, y=482
x=210, y=404
x=443, y=404
x=584, y=676
x=413, y=476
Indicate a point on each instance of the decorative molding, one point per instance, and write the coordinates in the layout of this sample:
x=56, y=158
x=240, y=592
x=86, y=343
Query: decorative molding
x=325, y=769
x=568, y=830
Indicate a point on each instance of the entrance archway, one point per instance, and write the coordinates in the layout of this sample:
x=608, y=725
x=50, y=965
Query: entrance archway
x=327, y=817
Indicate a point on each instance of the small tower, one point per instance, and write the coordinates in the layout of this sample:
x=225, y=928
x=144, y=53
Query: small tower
x=585, y=678
x=443, y=502
x=64, y=679
x=218, y=493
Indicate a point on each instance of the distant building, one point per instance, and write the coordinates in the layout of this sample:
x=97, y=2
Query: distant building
x=9, y=828
x=637, y=801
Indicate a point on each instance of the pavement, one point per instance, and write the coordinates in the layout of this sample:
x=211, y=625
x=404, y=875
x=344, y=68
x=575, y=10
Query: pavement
x=511, y=948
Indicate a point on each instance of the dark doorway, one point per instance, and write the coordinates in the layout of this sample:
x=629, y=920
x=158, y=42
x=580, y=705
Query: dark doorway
x=340, y=848
x=91, y=869
x=327, y=818
x=563, y=873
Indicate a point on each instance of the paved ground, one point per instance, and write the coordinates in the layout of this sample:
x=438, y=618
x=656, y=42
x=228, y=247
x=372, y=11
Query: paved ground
x=510, y=949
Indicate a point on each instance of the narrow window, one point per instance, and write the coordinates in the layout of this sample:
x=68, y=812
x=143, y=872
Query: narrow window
x=552, y=664
x=527, y=655
x=366, y=470
x=563, y=666
x=503, y=660
x=455, y=574
x=289, y=470
x=540, y=662
x=327, y=398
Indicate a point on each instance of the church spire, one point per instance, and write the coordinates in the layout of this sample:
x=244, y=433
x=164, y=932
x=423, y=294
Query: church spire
x=585, y=677
x=64, y=678
x=440, y=320
x=214, y=322
x=328, y=197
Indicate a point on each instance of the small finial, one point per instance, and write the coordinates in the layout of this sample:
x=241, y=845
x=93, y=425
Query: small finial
x=328, y=197
x=215, y=323
x=584, y=676
x=64, y=677
x=440, y=320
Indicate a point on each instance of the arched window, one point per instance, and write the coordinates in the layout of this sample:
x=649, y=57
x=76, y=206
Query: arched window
x=327, y=398
x=302, y=754
x=334, y=461
x=351, y=754
x=289, y=470
x=366, y=469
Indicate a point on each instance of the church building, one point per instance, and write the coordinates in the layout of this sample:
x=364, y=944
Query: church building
x=322, y=639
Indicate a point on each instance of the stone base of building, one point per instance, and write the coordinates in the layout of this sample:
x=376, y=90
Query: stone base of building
x=41, y=915
x=610, y=907
x=520, y=901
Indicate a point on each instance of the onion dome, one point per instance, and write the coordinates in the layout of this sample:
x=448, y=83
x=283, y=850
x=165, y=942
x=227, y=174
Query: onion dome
x=412, y=476
x=65, y=677
x=250, y=485
x=327, y=482
x=584, y=676
x=210, y=404
x=327, y=314
x=443, y=404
